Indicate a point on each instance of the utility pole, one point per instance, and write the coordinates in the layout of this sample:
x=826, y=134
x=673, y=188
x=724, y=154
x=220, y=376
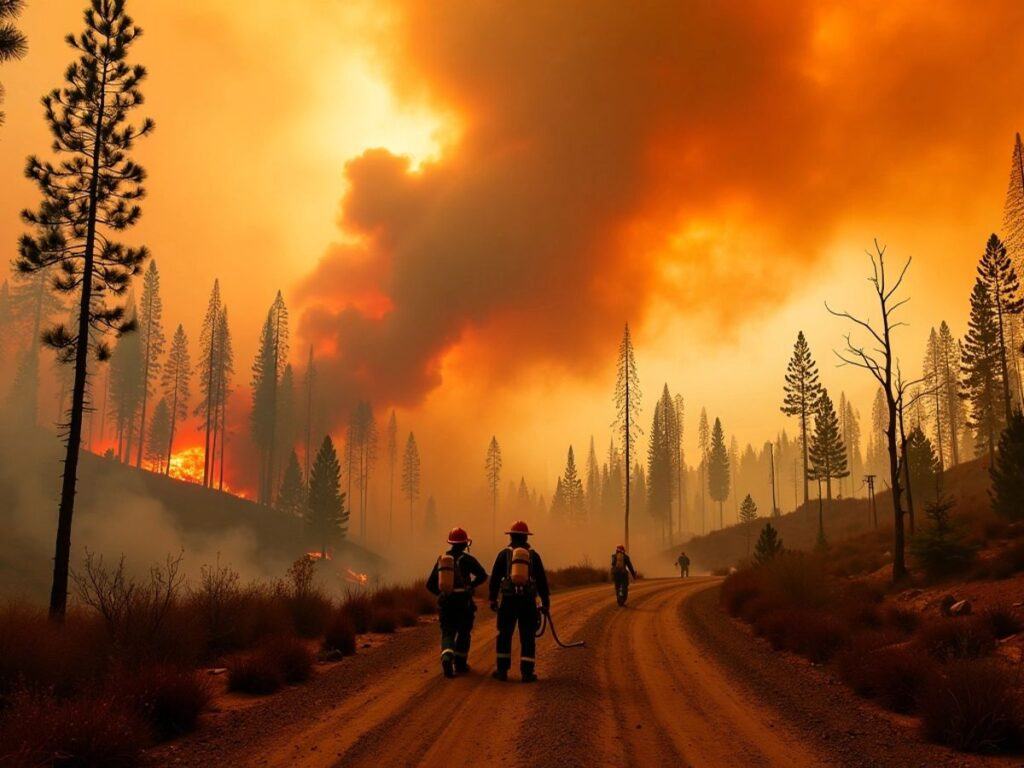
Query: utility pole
x=870, y=480
x=771, y=458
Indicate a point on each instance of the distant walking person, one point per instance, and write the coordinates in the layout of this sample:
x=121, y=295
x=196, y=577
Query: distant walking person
x=517, y=581
x=622, y=568
x=684, y=565
x=456, y=574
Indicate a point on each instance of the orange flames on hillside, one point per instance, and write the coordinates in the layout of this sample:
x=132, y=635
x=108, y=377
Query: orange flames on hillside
x=352, y=577
x=187, y=465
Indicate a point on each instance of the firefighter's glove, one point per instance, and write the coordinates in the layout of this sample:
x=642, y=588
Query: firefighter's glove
x=494, y=605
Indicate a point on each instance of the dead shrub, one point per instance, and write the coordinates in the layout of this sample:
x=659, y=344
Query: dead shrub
x=170, y=699
x=756, y=607
x=384, y=621
x=852, y=661
x=1003, y=621
x=291, y=656
x=816, y=635
x=340, y=636
x=254, y=672
x=737, y=590
x=974, y=705
x=308, y=605
x=968, y=637
x=359, y=610
x=577, y=576
x=81, y=731
x=898, y=675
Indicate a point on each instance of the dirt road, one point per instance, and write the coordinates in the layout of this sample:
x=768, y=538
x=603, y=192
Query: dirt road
x=641, y=693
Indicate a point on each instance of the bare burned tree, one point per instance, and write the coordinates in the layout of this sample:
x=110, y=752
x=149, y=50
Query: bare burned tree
x=878, y=359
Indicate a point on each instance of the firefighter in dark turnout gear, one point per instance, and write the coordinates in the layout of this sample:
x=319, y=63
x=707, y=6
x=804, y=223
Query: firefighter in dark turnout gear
x=622, y=568
x=456, y=574
x=517, y=581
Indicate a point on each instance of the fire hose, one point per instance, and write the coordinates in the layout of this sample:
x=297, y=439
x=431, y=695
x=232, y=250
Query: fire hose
x=545, y=621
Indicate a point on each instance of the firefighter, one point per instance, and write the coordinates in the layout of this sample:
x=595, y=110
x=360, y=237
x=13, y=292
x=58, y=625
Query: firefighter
x=684, y=565
x=517, y=581
x=455, y=576
x=622, y=568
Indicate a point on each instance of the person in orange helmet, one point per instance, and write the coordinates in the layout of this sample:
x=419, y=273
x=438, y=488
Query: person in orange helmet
x=518, y=579
x=455, y=576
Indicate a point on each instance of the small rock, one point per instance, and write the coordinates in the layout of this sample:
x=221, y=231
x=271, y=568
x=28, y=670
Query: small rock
x=910, y=594
x=946, y=603
x=960, y=608
x=217, y=671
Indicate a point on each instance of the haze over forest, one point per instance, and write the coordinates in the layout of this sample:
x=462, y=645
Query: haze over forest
x=459, y=231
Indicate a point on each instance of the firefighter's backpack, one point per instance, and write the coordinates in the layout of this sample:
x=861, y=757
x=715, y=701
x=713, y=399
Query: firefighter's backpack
x=619, y=564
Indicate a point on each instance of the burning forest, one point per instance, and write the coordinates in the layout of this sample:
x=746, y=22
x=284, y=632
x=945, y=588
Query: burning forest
x=614, y=351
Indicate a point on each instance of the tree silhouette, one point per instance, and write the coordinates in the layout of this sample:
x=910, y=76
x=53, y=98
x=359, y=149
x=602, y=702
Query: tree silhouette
x=291, y=497
x=492, y=471
x=950, y=353
x=310, y=381
x=225, y=368
x=326, y=512
x=266, y=378
x=90, y=194
x=391, y=448
x=1000, y=279
x=151, y=341
x=13, y=44
x=156, y=441
x=981, y=371
x=718, y=469
x=177, y=375
x=31, y=308
x=572, y=490
x=827, y=451
x=362, y=449
x=1007, y=471
x=936, y=384
x=627, y=410
x=801, y=395
x=704, y=446
x=411, y=475
x=208, y=374
x=748, y=514
x=880, y=361
x=286, y=429
x=430, y=519
x=923, y=466
x=680, y=460
x=661, y=454
x=768, y=546
x=593, y=496
x=126, y=385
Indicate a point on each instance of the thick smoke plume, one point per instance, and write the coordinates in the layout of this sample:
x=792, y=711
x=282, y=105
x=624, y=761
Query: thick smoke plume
x=608, y=156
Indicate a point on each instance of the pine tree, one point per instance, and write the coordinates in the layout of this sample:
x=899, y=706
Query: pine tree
x=126, y=385
x=593, y=496
x=876, y=446
x=851, y=439
x=1001, y=282
x=286, y=428
x=266, y=378
x=661, y=450
x=981, y=372
x=801, y=395
x=31, y=309
x=225, y=369
x=638, y=486
x=89, y=196
x=13, y=44
x=326, y=513
x=411, y=476
x=151, y=341
x=492, y=471
x=159, y=431
x=827, y=451
x=309, y=383
x=572, y=490
x=949, y=354
x=1007, y=471
x=627, y=410
x=748, y=514
x=718, y=469
x=361, y=451
x=924, y=467
x=291, y=497
x=207, y=371
x=936, y=400
x=769, y=545
x=177, y=375
x=680, y=461
x=558, y=506
x=704, y=446
x=734, y=465
x=391, y=448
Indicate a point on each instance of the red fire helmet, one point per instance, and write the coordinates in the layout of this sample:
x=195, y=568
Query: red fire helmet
x=458, y=536
x=620, y=548
x=520, y=526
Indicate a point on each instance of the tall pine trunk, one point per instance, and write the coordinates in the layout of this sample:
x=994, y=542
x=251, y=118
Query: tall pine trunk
x=145, y=388
x=69, y=481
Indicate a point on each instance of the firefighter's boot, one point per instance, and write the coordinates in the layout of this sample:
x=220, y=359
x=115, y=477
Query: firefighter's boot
x=448, y=665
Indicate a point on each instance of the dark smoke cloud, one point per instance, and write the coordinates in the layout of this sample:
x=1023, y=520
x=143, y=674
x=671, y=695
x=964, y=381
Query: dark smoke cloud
x=607, y=154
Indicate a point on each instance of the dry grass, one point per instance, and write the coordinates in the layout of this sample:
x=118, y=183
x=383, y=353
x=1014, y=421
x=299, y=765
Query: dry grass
x=974, y=706
x=968, y=637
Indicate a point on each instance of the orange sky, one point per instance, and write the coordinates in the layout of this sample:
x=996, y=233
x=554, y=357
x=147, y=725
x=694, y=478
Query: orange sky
x=464, y=201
